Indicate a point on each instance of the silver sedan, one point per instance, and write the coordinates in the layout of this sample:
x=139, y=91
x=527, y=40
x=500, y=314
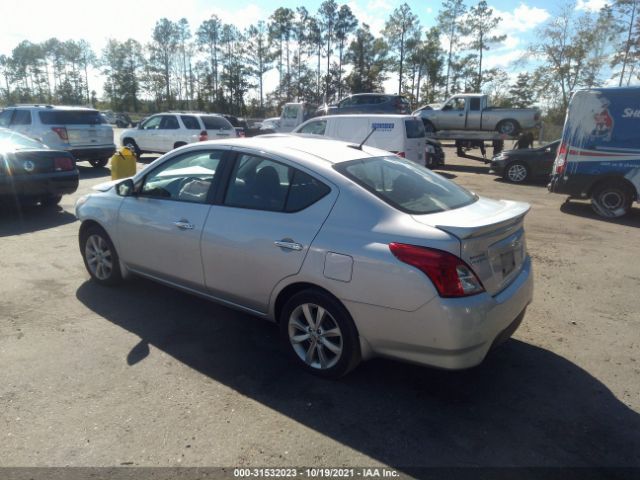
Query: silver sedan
x=352, y=251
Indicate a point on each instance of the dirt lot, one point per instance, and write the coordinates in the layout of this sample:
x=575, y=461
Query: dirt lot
x=145, y=375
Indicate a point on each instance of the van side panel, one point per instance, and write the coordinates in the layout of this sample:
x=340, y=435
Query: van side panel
x=601, y=140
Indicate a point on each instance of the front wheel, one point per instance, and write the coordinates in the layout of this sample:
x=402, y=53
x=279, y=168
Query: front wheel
x=516, y=173
x=98, y=162
x=612, y=200
x=100, y=256
x=320, y=334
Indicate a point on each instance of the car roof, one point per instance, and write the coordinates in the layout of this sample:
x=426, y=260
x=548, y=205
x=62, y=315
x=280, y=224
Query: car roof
x=53, y=107
x=394, y=116
x=308, y=150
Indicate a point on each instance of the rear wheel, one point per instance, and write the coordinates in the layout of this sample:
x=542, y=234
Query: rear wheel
x=51, y=200
x=98, y=162
x=320, y=334
x=612, y=199
x=516, y=172
x=508, y=127
x=100, y=256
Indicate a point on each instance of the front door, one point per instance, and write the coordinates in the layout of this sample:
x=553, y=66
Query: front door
x=159, y=228
x=452, y=115
x=146, y=136
x=262, y=231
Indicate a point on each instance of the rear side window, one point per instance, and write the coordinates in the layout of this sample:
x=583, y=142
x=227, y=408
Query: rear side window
x=405, y=185
x=21, y=117
x=474, y=104
x=216, y=123
x=415, y=128
x=169, y=122
x=71, y=117
x=304, y=191
x=190, y=123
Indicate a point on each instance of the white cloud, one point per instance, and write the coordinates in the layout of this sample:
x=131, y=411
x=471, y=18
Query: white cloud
x=502, y=59
x=591, y=5
x=373, y=15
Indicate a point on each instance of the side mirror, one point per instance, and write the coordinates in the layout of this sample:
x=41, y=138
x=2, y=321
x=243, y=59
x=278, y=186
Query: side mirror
x=126, y=188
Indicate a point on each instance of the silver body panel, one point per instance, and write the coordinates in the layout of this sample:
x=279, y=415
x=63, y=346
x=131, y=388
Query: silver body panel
x=231, y=255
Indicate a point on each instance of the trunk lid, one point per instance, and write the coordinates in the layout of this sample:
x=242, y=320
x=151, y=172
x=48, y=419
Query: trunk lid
x=29, y=162
x=491, y=235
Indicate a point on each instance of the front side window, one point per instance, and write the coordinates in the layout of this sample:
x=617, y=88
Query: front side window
x=5, y=118
x=186, y=178
x=152, y=124
x=454, y=104
x=21, y=117
x=290, y=111
x=262, y=184
x=415, y=128
x=315, y=128
x=405, y=185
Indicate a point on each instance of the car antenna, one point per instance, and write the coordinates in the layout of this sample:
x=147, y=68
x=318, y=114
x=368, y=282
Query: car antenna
x=359, y=147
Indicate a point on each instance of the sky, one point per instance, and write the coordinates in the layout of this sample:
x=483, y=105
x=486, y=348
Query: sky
x=96, y=22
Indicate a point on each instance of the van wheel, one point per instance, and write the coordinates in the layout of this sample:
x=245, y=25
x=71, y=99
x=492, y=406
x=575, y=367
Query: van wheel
x=132, y=145
x=98, y=162
x=612, y=199
x=508, y=127
x=320, y=334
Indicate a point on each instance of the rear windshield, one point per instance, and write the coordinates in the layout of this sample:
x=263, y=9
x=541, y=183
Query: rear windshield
x=415, y=128
x=216, y=123
x=71, y=117
x=405, y=185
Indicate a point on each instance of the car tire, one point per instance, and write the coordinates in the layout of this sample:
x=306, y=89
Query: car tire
x=612, y=199
x=179, y=144
x=327, y=346
x=51, y=200
x=429, y=127
x=132, y=145
x=516, y=172
x=100, y=257
x=98, y=162
x=508, y=127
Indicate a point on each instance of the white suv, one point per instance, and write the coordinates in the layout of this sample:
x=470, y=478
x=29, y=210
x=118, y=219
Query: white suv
x=163, y=132
x=78, y=130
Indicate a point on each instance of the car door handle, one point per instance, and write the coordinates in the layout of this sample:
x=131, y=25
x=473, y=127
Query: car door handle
x=288, y=244
x=184, y=225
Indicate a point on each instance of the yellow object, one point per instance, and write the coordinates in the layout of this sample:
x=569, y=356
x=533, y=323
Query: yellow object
x=123, y=164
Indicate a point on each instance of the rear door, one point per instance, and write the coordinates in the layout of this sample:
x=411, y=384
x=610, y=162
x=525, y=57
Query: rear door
x=474, y=113
x=169, y=133
x=21, y=122
x=159, y=229
x=415, y=140
x=263, y=229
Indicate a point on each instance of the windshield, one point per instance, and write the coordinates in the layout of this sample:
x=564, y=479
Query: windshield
x=406, y=185
x=14, y=141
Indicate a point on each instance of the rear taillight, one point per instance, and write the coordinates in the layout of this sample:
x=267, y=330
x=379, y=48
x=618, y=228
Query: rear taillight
x=62, y=133
x=401, y=155
x=204, y=136
x=62, y=163
x=561, y=160
x=449, y=274
x=240, y=133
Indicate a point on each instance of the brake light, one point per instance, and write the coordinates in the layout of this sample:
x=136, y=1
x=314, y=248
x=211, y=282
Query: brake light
x=561, y=159
x=62, y=164
x=401, y=155
x=451, y=276
x=240, y=133
x=204, y=136
x=62, y=133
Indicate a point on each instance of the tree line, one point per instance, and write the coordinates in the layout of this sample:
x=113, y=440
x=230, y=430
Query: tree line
x=324, y=55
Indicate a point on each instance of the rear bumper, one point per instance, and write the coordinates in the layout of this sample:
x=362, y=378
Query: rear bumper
x=574, y=185
x=43, y=184
x=91, y=153
x=449, y=333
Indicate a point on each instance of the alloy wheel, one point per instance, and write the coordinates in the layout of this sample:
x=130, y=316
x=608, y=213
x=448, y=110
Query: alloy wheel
x=99, y=257
x=315, y=336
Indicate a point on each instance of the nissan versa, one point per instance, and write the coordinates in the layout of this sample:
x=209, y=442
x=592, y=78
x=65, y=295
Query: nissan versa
x=352, y=251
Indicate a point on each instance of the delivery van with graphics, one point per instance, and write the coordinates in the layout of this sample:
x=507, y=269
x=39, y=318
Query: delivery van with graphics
x=599, y=156
x=403, y=135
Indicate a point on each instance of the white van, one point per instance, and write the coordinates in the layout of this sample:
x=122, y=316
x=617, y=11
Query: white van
x=403, y=135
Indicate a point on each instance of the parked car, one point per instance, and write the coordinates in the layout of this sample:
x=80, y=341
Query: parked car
x=519, y=166
x=353, y=252
x=163, y=132
x=240, y=124
x=77, y=130
x=31, y=172
x=599, y=155
x=434, y=155
x=472, y=111
x=270, y=125
x=403, y=135
x=368, y=103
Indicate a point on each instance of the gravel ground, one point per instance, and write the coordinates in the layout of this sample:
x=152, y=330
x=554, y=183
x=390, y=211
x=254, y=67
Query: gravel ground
x=145, y=375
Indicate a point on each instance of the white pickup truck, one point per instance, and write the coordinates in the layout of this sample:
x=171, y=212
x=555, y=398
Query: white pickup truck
x=471, y=112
